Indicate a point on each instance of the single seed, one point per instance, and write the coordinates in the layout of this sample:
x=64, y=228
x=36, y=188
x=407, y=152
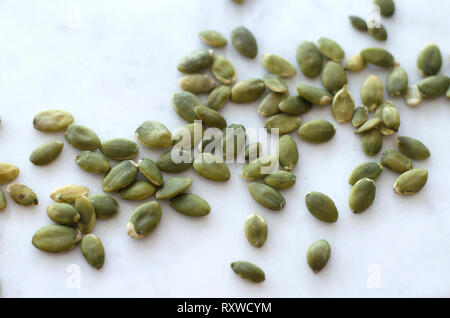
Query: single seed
x=81, y=137
x=173, y=186
x=87, y=214
x=105, y=206
x=278, y=65
x=233, y=141
x=331, y=49
x=151, y=171
x=318, y=255
x=314, y=95
x=295, y=105
x=378, y=56
x=213, y=38
x=119, y=149
x=387, y=7
x=429, y=61
x=52, y=120
x=2, y=200
x=360, y=116
x=197, y=83
x=93, y=251
x=269, y=104
x=321, y=207
x=309, y=59
x=267, y=196
x=317, y=131
x=253, y=151
x=63, y=213
x=275, y=83
x=412, y=148
x=120, y=176
x=396, y=161
x=397, y=82
x=255, y=229
x=223, y=70
x=287, y=152
x=138, y=190
x=190, y=205
x=244, y=41
x=411, y=181
x=370, y=170
x=368, y=125
x=210, y=117
x=333, y=77
x=412, y=96
x=247, y=91
x=248, y=271
x=390, y=118
x=22, y=194
x=280, y=180
x=184, y=104
x=283, y=122
x=434, y=86
x=355, y=63
x=144, y=220
x=211, y=167
x=218, y=97
x=371, y=142
x=372, y=93
x=343, y=106
x=175, y=160
x=91, y=161
x=56, y=238
x=153, y=134
x=379, y=32
x=196, y=61
x=259, y=167
x=358, y=23
x=8, y=172
x=362, y=195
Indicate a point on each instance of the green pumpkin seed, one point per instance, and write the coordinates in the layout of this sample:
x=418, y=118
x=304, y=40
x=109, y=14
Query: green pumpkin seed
x=190, y=205
x=412, y=148
x=275, y=83
x=184, y=104
x=309, y=59
x=362, y=195
x=138, y=190
x=174, y=160
x=343, y=106
x=396, y=161
x=92, y=162
x=331, y=49
x=269, y=105
x=223, y=70
x=253, y=151
x=173, y=187
x=210, y=143
x=233, y=141
x=429, y=61
x=93, y=251
x=8, y=172
x=196, y=61
x=104, y=205
x=387, y=7
x=151, y=171
x=255, y=229
x=333, y=77
x=295, y=105
x=391, y=118
x=258, y=168
x=287, y=152
x=379, y=32
x=277, y=65
x=434, y=86
x=210, y=117
x=411, y=181
x=56, y=238
x=368, y=125
x=68, y=193
x=355, y=63
x=267, y=196
x=372, y=93
x=197, y=83
x=248, y=271
x=397, y=82
x=244, y=41
x=52, y=120
x=153, y=134
x=81, y=137
x=283, y=122
x=314, y=95
x=321, y=207
x=119, y=149
x=87, y=214
x=218, y=97
x=378, y=56
x=188, y=135
x=213, y=38
x=211, y=167
x=371, y=142
x=318, y=255
x=2, y=200
x=317, y=131
x=360, y=116
x=370, y=170
x=413, y=97
x=280, y=180
x=247, y=91
x=144, y=220
x=120, y=176
x=63, y=213
x=358, y=23
x=22, y=194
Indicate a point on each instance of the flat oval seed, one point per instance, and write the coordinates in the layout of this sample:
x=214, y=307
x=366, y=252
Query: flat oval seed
x=213, y=38
x=52, y=120
x=283, y=122
x=434, y=86
x=390, y=118
x=190, y=205
x=370, y=170
x=253, y=151
x=358, y=23
x=120, y=176
x=2, y=200
x=218, y=97
x=68, y=193
x=331, y=49
x=197, y=83
x=362, y=195
x=196, y=61
x=321, y=207
x=93, y=251
x=255, y=229
x=378, y=56
x=333, y=77
x=223, y=70
x=144, y=220
x=63, y=213
x=372, y=93
x=368, y=125
x=244, y=41
x=248, y=271
x=295, y=105
x=153, y=134
x=411, y=181
x=56, y=238
x=184, y=104
x=343, y=105
x=104, y=205
x=82, y=137
x=87, y=214
x=318, y=255
x=309, y=59
x=267, y=196
x=8, y=172
x=387, y=7
x=173, y=186
x=429, y=61
x=315, y=95
x=175, y=160
x=360, y=116
x=210, y=117
x=355, y=63
x=277, y=65
x=119, y=149
x=413, y=97
x=287, y=152
x=396, y=161
x=371, y=142
x=92, y=162
x=258, y=168
x=189, y=135
x=397, y=82
x=269, y=105
x=317, y=131
x=151, y=171
x=275, y=83
x=412, y=148
x=138, y=190
x=247, y=91
x=22, y=194
x=233, y=141
x=211, y=167
x=280, y=180
x=379, y=32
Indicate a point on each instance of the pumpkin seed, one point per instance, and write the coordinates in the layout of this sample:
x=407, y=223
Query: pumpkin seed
x=368, y=125
x=22, y=194
x=56, y=238
x=247, y=91
x=174, y=160
x=233, y=141
x=412, y=148
x=321, y=207
x=255, y=229
x=92, y=162
x=63, y=213
x=120, y=176
x=8, y=172
x=275, y=83
x=378, y=32
x=81, y=137
x=387, y=7
x=184, y=104
x=196, y=61
x=68, y=193
x=413, y=97
x=295, y=105
x=434, y=86
x=93, y=251
x=253, y=151
x=190, y=204
x=397, y=82
x=153, y=134
x=87, y=214
x=315, y=95
x=104, y=205
x=317, y=131
x=173, y=187
x=52, y=120
x=318, y=255
x=372, y=93
x=210, y=143
x=280, y=180
x=151, y=171
x=244, y=41
x=370, y=170
x=223, y=70
x=331, y=49
x=119, y=149
x=360, y=116
x=197, y=83
x=429, y=61
x=390, y=118
x=218, y=97
x=211, y=167
x=333, y=77
x=362, y=195
x=283, y=122
x=343, y=106
x=411, y=181
x=277, y=65
x=2, y=200
x=269, y=105
x=144, y=220
x=396, y=161
x=248, y=271
x=355, y=63
x=258, y=168
x=213, y=38
x=378, y=56
x=188, y=135
x=358, y=23
x=267, y=196
x=309, y=59
x=138, y=190
x=287, y=152
x=371, y=142
x=211, y=117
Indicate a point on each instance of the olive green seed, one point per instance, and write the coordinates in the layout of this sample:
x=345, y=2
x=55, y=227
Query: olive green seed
x=82, y=137
x=196, y=61
x=360, y=116
x=8, y=172
x=362, y=195
x=2, y=200
x=137, y=191
x=355, y=63
x=309, y=59
x=184, y=104
x=314, y=95
x=411, y=182
x=429, y=61
x=244, y=42
x=397, y=82
x=120, y=176
x=287, y=152
x=370, y=170
x=91, y=161
x=248, y=271
x=223, y=70
x=210, y=117
x=269, y=105
x=68, y=193
x=153, y=134
x=190, y=205
x=93, y=251
x=56, y=238
x=371, y=142
x=197, y=83
x=267, y=196
x=151, y=171
x=119, y=149
x=213, y=38
x=434, y=86
x=144, y=220
x=378, y=56
x=280, y=180
x=317, y=131
x=333, y=77
x=343, y=106
x=259, y=167
x=173, y=186
x=189, y=135
x=105, y=206
x=318, y=255
x=253, y=151
x=295, y=105
x=358, y=23
x=378, y=32
x=255, y=229
x=218, y=97
x=321, y=207
x=211, y=167
x=396, y=161
x=22, y=194
x=284, y=123
x=247, y=91
x=372, y=93
x=412, y=148
x=52, y=120
x=390, y=118
x=278, y=65
x=330, y=49
x=175, y=160
x=87, y=214
x=233, y=141
x=413, y=97
x=63, y=213
x=275, y=83
x=387, y=7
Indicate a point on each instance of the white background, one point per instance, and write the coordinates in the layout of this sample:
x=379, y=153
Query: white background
x=112, y=64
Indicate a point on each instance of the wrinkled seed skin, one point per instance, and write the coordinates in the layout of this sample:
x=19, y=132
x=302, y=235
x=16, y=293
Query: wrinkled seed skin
x=247, y=91
x=63, y=213
x=309, y=59
x=8, y=172
x=371, y=142
x=52, y=120
x=370, y=170
x=378, y=56
x=173, y=186
x=318, y=255
x=317, y=131
x=434, y=86
x=190, y=205
x=56, y=238
x=213, y=38
x=333, y=77
x=93, y=251
x=362, y=195
x=278, y=65
x=396, y=161
x=104, y=205
x=82, y=137
x=2, y=200
x=360, y=116
x=138, y=190
x=93, y=162
x=429, y=61
x=166, y=163
x=295, y=105
x=314, y=95
x=321, y=207
x=287, y=152
x=184, y=103
x=331, y=49
x=153, y=134
x=372, y=93
x=211, y=167
x=119, y=149
x=343, y=106
x=378, y=33
x=22, y=194
x=195, y=61
x=267, y=196
x=283, y=122
x=218, y=97
x=412, y=148
x=275, y=83
x=144, y=220
x=411, y=182
x=397, y=82
x=244, y=41
x=151, y=171
x=248, y=271
x=255, y=229
x=120, y=176
x=387, y=7
x=358, y=23
x=87, y=214
x=68, y=193
x=197, y=83
x=280, y=180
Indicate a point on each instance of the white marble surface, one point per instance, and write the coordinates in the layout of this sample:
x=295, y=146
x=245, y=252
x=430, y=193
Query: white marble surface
x=113, y=65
